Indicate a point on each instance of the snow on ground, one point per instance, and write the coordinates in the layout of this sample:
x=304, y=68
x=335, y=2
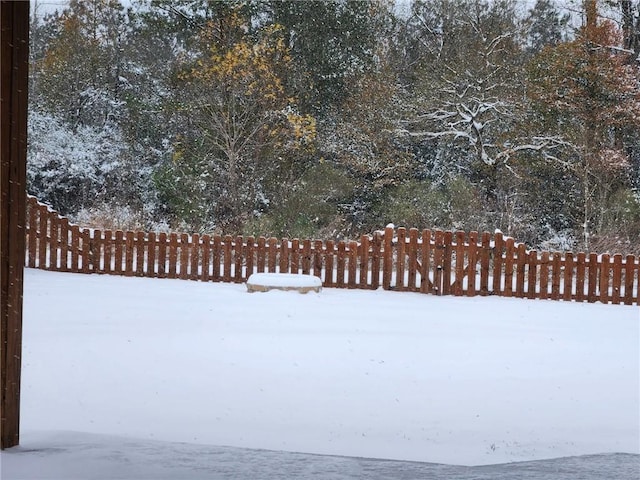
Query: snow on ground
x=462, y=381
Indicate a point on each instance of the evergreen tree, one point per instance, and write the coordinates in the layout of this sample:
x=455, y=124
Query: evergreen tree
x=547, y=26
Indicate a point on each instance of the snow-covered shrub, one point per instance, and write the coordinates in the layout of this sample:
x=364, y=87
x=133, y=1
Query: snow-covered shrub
x=118, y=217
x=70, y=168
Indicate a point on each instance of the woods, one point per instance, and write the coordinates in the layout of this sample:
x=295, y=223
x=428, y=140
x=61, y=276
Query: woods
x=330, y=119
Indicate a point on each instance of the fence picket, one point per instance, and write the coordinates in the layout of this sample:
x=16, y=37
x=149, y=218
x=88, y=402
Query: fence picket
x=162, y=255
x=238, y=256
x=485, y=263
x=75, y=249
x=629, y=268
x=459, y=269
x=173, y=256
x=226, y=258
x=306, y=257
x=592, y=267
x=317, y=258
x=580, y=271
x=284, y=256
x=206, y=256
x=508, y=267
x=194, y=262
x=129, y=240
x=353, y=264
x=387, y=258
x=616, y=282
x=521, y=259
x=329, y=269
x=544, y=275
x=568, y=277
x=64, y=244
x=32, y=230
x=412, y=259
x=605, y=269
x=151, y=255
x=340, y=283
x=556, y=275
x=447, y=263
x=54, y=246
x=118, y=247
x=472, y=259
x=87, y=264
x=438, y=254
x=401, y=246
x=425, y=257
x=217, y=258
x=295, y=256
x=88, y=247
x=498, y=245
x=43, y=236
x=375, y=260
x=272, y=254
x=364, y=261
x=532, y=278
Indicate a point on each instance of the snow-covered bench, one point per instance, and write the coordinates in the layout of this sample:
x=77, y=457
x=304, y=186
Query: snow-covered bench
x=263, y=282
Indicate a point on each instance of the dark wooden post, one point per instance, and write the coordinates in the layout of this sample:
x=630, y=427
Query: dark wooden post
x=14, y=60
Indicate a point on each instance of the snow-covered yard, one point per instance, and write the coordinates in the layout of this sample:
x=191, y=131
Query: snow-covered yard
x=464, y=381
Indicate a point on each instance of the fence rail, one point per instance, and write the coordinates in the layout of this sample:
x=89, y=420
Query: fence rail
x=427, y=261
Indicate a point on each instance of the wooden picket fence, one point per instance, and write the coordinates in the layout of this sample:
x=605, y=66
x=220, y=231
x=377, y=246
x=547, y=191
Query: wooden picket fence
x=427, y=261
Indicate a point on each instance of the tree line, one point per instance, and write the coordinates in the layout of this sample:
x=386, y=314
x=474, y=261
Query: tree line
x=332, y=118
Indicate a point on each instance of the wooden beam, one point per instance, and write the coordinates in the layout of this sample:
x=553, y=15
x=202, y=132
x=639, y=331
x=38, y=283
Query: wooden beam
x=14, y=61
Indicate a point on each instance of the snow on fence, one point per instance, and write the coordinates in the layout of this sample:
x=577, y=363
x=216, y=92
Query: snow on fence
x=430, y=261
